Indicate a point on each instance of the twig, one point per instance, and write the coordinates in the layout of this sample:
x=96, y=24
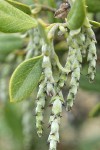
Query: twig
x=44, y=7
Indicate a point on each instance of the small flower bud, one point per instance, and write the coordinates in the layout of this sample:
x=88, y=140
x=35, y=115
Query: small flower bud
x=62, y=29
x=45, y=50
x=91, y=34
x=50, y=89
x=75, y=32
x=52, y=117
x=39, y=109
x=92, y=57
x=54, y=127
x=62, y=79
x=52, y=31
x=46, y=62
x=53, y=145
x=79, y=56
x=57, y=107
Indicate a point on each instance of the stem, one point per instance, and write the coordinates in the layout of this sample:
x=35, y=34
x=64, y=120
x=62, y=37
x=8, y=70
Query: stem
x=55, y=57
x=44, y=8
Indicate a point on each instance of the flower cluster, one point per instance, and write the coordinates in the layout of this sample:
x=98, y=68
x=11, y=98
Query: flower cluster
x=48, y=87
x=54, y=121
x=73, y=64
x=35, y=43
x=40, y=107
x=81, y=43
x=92, y=55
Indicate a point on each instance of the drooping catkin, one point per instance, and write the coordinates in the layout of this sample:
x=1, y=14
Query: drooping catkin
x=46, y=87
x=47, y=69
x=35, y=43
x=41, y=96
x=92, y=55
x=73, y=65
x=74, y=83
x=54, y=121
x=81, y=44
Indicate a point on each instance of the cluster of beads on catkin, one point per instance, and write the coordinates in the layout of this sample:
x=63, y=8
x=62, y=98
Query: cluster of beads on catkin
x=73, y=66
x=54, y=121
x=68, y=65
x=47, y=70
x=35, y=43
x=56, y=100
x=73, y=45
x=92, y=56
x=81, y=43
x=46, y=87
x=41, y=95
x=74, y=83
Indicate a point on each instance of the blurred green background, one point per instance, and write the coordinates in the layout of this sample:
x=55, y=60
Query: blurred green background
x=80, y=128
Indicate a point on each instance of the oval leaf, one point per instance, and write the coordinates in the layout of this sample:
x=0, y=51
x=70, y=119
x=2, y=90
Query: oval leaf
x=13, y=20
x=77, y=15
x=13, y=42
x=25, y=78
x=20, y=6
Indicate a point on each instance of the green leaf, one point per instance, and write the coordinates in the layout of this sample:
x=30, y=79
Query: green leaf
x=22, y=7
x=77, y=15
x=94, y=23
x=13, y=42
x=13, y=20
x=25, y=78
x=93, y=5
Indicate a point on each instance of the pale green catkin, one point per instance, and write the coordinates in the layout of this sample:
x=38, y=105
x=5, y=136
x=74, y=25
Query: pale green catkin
x=73, y=66
x=35, y=43
x=46, y=87
x=47, y=70
x=41, y=96
x=92, y=55
x=74, y=83
x=68, y=65
x=92, y=61
x=56, y=99
x=81, y=43
x=54, y=121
